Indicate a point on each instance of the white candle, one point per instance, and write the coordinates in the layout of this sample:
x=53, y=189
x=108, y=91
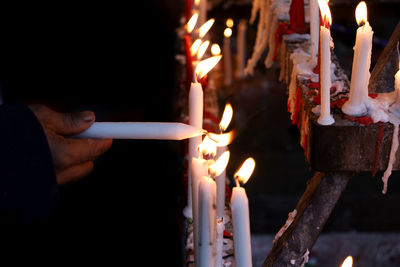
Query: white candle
x=314, y=29
x=196, y=120
x=227, y=56
x=207, y=222
x=221, y=182
x=202, y=11
x=199, y=168
x=241, y=48
x=356, y=105
x=241, y=227
x=219, y=243
x=325, y=66
x=216, y=171
x=240, y=216
x=142, y=130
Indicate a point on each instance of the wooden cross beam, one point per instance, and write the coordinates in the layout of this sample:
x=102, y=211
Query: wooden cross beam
x=312, y=212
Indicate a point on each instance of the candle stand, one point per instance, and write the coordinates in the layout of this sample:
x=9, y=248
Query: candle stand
x=336, y=152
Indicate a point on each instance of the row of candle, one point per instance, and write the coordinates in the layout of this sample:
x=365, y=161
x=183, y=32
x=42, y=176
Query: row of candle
x=207, y=179
x=209, y=202
x=356, y=104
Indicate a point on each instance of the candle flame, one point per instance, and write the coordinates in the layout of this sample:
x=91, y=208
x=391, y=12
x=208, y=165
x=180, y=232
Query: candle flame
x=197, y=2
x=229, y=23
x=348, y=262
x=205, y=27
x=228, y=32
x=219, y=166
x=192, y=22
x=222, y=139
x=245, y=171
x=208, y=147
x=325, y=11
x=361, y=13
x=202, y=49
x=195, y=47
x=206, y=65
x=226, y=117
x=215, y=50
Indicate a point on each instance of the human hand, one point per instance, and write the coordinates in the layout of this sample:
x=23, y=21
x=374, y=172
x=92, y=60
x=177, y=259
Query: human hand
x=72, y=158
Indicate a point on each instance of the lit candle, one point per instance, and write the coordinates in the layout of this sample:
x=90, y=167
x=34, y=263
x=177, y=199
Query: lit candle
x=221, y=179
x=240, y=216
x=356, y=105
x=203, y=11
x=196, y=117
x=241, y=48
x=325, y=65
x=141, y=130
x=227, y=56
x=199, y=168
x=205, y=27
x=207, y=221
x=348, y=262
x=215, y=171
x=189, y=57
x=202, y=49
x=314, y=30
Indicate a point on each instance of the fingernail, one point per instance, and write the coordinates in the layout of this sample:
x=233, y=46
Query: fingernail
x=88, y=116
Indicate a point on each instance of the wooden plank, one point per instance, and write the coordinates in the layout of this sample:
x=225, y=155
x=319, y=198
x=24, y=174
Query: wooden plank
x=344, y=146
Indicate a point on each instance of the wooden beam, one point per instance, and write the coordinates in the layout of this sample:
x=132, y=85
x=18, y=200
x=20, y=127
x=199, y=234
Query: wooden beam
x=382, y=76
x=313, y=210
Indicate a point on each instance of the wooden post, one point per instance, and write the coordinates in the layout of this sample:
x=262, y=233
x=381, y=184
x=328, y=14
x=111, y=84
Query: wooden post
x=313, y=210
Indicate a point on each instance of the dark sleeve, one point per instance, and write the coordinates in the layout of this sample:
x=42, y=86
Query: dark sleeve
x=28, y=187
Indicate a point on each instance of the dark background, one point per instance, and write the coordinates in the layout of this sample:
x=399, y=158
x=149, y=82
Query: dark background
x=118, y=60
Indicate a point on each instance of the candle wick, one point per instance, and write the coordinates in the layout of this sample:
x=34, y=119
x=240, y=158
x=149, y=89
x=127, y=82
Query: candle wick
x=237, y=181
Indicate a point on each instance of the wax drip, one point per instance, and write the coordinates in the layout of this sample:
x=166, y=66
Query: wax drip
x=395, y=145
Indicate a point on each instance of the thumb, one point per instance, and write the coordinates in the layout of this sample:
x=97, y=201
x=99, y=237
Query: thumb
x=75, y=123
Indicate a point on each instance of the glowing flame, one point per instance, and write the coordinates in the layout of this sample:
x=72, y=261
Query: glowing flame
x=361, y=13
x=192, y=22
x=195, y=47
x=208, y=147
x=222, y=139
x=228, y=32
x=205, y=27
x=219, y=166
x=226, y=117
x=229, y=23
x=206, y=65
x=202, y=49
x=348, y=262
x=215, y=50
x=197, y=2
x=325, y=11
x=245, y=171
